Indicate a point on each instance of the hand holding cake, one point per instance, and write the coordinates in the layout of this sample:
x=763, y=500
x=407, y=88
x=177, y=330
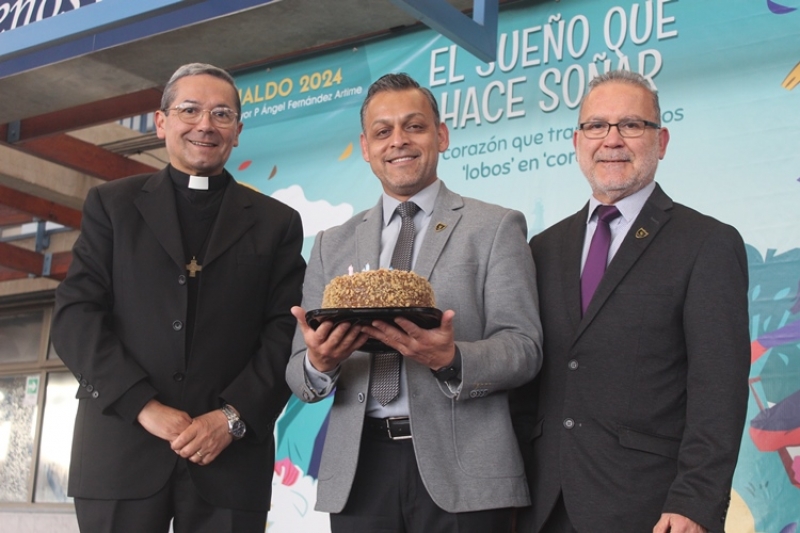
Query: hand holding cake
x=330, y=343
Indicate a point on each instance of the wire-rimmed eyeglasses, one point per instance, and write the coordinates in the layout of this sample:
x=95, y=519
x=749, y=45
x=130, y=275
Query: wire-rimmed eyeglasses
x=626, y=128
x=222, y=117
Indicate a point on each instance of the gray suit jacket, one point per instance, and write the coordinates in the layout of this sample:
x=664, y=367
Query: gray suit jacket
x=640, y=404
x=476, y=258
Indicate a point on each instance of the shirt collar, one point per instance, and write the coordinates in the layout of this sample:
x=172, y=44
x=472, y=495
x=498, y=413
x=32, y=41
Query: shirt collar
x=181, y=180
x=629, y=207
x=425, y=199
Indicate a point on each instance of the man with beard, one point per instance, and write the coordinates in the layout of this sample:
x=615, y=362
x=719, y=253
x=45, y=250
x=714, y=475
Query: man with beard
x=635, y=420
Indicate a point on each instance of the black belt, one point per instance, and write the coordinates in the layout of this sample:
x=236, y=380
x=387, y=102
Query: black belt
x=393, y=428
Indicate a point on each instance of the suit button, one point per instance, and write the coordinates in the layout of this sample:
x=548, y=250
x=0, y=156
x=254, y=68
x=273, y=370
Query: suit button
x=178, y=376
x=361, y=397
x=181, y=280
x=572, y=365
x=177, y=325
x=89, y=388
x=84, y=383
x=569, y=423
x=95, y=394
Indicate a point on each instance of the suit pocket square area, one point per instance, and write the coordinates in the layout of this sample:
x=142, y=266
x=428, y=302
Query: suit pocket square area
x=647, y=442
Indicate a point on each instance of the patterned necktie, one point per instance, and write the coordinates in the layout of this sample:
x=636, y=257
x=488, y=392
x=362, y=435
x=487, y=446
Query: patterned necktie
x=596, y=260
x=385, y=382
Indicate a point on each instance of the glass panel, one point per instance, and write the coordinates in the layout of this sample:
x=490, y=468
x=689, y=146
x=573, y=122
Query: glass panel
x=60, y=407
x=51, y=352
x=20, y=334
x=18, y=397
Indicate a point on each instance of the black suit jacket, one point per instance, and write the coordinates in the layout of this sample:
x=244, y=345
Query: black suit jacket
x=118, y=326
x=640, y=404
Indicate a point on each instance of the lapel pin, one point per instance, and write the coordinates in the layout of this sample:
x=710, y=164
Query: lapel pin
x=440, y=226
x=641, y=233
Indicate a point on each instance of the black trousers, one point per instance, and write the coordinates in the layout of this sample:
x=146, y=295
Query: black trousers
x=388, y=497
x=178, y=499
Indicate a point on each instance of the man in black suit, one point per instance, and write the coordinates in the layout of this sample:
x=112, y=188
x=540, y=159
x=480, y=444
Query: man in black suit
x=634, y=423
x=174, y=317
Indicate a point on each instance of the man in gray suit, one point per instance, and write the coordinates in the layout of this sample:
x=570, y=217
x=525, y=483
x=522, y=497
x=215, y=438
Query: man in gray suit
x=440, y=457
x=635, y=421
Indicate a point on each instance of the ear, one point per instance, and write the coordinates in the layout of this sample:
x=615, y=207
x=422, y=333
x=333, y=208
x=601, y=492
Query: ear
x=238, y=132
x=444, y=137
x=364, y=148
x=663, y=141
x=161, y=118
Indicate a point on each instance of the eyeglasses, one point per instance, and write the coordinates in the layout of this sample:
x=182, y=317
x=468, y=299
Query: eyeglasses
x=627, y=128
x=222, y=117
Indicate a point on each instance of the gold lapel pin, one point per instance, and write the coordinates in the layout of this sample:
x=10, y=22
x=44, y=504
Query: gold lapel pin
x=641, y=233
x=440, y=226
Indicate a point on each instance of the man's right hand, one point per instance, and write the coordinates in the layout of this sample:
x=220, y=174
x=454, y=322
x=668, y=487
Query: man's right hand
x=162, y=421
x=328, y=346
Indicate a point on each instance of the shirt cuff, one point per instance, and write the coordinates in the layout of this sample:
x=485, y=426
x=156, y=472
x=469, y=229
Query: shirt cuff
x=321, y=382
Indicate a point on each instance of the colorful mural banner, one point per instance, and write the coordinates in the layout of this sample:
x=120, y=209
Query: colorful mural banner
x=727, y=73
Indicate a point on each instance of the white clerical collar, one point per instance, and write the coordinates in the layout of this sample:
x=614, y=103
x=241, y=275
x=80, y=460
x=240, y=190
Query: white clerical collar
x=198, y=182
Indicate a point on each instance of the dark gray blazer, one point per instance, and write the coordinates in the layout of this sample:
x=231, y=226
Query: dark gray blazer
x=118, y=327
x=478, y=262
x=640, y=405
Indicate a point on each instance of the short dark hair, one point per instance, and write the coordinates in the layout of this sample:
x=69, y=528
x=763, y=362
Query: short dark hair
x=397, y=82
x=625, y=76
x=197, y=69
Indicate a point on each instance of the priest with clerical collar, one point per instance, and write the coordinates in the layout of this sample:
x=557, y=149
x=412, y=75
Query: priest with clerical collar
x=174, y=318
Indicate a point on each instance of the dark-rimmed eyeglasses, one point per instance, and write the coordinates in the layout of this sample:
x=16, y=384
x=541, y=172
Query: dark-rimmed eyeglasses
x=222, y=117
x=626, y=128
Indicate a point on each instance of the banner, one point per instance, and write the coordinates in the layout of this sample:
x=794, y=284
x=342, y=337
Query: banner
x=727, y=73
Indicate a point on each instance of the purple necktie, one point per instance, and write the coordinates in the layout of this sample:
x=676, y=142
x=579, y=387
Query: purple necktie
x=596, y=260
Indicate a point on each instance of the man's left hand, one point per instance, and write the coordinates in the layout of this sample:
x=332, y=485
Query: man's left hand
x=675, y=523
x=434, y=348
x=204, y=439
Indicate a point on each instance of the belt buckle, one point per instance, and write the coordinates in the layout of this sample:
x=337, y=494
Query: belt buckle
x=389, y=427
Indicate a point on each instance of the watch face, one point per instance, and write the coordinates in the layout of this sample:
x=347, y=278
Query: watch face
x=238, y=429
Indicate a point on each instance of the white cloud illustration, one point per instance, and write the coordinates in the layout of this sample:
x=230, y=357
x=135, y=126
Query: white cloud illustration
x=318, y=215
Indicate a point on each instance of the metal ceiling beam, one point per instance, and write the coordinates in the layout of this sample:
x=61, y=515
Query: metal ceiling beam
x=18, y=263
x=39, y=207
x=476, y=35
x=83, y=156
x=17, y=258
x=10, y=216
x=83, y=116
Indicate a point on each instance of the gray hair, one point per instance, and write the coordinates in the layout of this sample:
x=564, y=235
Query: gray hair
x=397, y=82
x=625, y=76
x=197, y=69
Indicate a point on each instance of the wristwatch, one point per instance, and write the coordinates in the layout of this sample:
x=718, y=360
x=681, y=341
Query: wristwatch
x=236, y=426
x=449, y=372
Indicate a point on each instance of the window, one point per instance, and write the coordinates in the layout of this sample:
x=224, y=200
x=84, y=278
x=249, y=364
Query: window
x=37, y=405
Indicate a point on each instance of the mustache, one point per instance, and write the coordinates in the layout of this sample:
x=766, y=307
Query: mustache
x=612, y=156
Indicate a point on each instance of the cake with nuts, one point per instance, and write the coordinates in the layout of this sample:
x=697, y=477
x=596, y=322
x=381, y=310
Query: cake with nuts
x=378, y=288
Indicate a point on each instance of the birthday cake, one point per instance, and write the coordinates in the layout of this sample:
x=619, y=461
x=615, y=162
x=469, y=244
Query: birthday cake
x=378, y=288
